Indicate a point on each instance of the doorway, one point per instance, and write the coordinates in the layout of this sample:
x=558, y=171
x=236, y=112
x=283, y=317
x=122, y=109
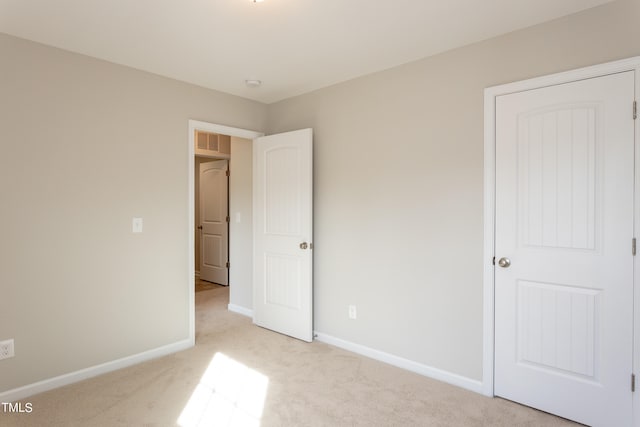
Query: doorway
x=240, y=227
x=285, y=170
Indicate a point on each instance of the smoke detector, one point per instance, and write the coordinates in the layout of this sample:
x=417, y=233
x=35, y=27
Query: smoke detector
x=253, y=83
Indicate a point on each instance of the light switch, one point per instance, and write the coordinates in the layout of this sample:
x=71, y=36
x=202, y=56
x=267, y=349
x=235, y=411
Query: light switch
x=137, y=225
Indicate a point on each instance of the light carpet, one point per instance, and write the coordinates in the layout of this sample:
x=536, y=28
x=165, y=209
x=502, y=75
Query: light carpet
x=245, y=375
x=203, y=285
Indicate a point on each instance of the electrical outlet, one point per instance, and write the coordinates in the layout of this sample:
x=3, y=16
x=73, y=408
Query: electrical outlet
x=6, y=349
x=352, y=312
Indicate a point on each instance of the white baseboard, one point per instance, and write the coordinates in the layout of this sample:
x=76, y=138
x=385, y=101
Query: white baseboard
x=427, y=371
x=240, y=310
x=83, y=374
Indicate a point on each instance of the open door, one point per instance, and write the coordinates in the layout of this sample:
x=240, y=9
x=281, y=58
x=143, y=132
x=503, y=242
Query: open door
x=283, y=233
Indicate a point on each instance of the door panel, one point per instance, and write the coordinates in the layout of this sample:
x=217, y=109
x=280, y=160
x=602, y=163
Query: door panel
x=557, y=328
x=283, y=232
x=213, y=218
x=564, y=218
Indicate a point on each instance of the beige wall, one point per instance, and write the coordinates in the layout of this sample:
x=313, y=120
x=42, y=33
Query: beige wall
x=398, y=185
x=241, y=233
x=86, y=146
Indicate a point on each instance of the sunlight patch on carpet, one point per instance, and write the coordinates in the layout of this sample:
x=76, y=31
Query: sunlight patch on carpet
x=229, y=394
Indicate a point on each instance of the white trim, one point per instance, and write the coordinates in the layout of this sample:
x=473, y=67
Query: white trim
x=636, y=261
x=93, y=371
x=207, y=127
x=222, y=130
x=490, y=95
x=409, y=365
x=240, y=310
x=489, y=243
x=629, y=64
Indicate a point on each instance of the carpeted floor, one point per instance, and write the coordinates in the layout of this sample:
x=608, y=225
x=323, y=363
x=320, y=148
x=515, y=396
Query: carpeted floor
x=242, y=375
x=203, y=285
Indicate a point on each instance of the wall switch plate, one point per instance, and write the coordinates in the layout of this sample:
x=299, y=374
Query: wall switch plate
x=352, y=312
x=6, y=349
x=136, y=225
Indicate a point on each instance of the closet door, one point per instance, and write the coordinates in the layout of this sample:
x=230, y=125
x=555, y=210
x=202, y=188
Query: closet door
x=564, y=265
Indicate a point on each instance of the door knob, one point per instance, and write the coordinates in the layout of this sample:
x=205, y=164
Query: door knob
x=304, y=245
x=504, y=262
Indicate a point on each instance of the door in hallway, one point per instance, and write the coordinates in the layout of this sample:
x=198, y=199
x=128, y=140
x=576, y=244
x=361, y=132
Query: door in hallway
x=214, y=225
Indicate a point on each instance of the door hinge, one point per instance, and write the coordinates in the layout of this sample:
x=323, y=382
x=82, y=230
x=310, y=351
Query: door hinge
x=228, y=172
x=635, y=110
x=228, y=218
x=633, y=246
x=228, y=265
x=633, y=382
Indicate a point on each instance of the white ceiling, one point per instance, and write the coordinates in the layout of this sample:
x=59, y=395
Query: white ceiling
x=293, y=46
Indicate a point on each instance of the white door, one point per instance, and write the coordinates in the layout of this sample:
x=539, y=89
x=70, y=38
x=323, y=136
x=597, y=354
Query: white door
x=564, y=220
x=214, y=238
x=283, y=232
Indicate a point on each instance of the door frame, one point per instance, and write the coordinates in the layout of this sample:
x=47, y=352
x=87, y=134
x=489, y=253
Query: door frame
x=490, y=94
x=213, y=128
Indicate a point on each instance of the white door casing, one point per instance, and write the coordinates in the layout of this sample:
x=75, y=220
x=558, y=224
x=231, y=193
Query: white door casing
x=214, y=234
x=564, y=218
x=283, y=233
